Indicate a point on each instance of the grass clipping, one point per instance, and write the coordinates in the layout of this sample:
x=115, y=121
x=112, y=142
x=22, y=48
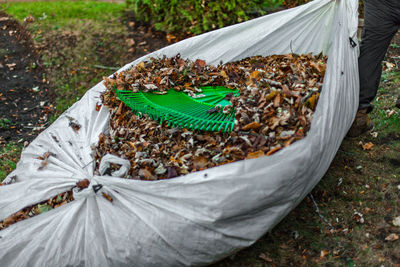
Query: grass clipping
x=278, y=96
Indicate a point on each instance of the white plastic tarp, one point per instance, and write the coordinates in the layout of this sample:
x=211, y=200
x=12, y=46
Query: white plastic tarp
x=201, y=217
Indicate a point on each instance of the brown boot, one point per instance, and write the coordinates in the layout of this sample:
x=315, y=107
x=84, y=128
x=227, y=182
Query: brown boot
x=361, y=124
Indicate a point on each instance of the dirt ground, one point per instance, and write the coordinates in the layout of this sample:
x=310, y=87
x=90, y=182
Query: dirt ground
x=25, y=104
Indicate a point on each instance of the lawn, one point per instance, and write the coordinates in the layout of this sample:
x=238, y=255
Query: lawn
x=357, y=199
x=73, y=37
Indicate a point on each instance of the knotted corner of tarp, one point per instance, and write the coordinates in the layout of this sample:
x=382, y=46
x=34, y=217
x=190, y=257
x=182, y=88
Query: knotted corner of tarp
x=109, y=159
x=89, y=190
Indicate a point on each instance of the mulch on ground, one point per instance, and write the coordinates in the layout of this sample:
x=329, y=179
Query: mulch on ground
x=24, y=102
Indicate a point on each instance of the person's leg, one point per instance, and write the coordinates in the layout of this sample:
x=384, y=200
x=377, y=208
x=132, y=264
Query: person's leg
x=380, y=25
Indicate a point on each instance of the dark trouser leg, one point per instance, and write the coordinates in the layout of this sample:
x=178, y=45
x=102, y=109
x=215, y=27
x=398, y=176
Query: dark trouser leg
x=381, y=23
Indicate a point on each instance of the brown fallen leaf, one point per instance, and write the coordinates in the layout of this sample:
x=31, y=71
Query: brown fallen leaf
x=368, y=146
x=74, y=126
x=264, y=257
x=200, y=62
x=200, y=162
x=271, y=95
x=170, y=37
x=29, y=19
x=83, y=184
x=323, y=254
x=392, y=237
x=277, y=101
x=251, y=126
x=223, y=74
x=254, y=74
x=121, y=105
x=256, y=154
x=10, y=220
x=274, y=150
x=146, y=174
x=312, y=101
x=108, y=197
x=44, y=159
x=98, y=106
x=286, y=91
x=289, y=142
x=11, y=66
x=130, y=42
x=140, y=66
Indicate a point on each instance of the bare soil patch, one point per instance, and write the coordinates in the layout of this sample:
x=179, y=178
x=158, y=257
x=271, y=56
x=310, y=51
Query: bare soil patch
x=24, y=101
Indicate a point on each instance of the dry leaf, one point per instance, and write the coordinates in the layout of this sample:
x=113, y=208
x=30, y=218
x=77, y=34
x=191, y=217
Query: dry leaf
x=277, y=101
x=223, y=74
x=140, y=66
x=200, y=162
x=323, y=254
x=130, y=42
x=74, y=126
x=271, y=95
x=108, y=197
x=10, y=220
x=312, y=101
x=121, y=105
x=200, y=62
x=251, y=126
x=367, y=146
x=256, y=154
x=98, y=106
x=265, y=257
x=254, y=74
x=170, y=37
x=83, y=184
x=392, y=237
x=286, y=91
x=274, y=150
x=146, y=174
x=11, y=66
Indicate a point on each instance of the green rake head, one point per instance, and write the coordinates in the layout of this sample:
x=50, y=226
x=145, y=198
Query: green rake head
x=204, y=112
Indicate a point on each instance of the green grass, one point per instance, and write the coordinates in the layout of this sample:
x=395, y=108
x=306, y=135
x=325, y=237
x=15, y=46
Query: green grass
x=58, y=13
x=9, y=155
x=385, y=122
x=5, y=123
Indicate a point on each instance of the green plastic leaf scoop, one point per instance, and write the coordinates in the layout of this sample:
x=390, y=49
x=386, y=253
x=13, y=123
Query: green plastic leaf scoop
x=204, y=111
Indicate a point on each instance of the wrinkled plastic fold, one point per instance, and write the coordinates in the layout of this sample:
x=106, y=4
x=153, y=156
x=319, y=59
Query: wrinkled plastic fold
x=201, y=217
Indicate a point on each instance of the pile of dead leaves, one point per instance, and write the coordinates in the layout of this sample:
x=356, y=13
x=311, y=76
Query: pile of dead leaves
x=47, y=205
x=37, y=209
x=278, y=95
